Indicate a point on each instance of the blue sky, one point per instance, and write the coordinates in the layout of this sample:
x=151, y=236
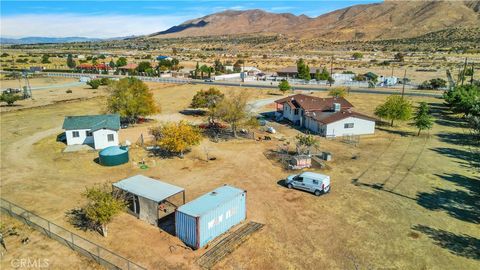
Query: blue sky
x=123, y=18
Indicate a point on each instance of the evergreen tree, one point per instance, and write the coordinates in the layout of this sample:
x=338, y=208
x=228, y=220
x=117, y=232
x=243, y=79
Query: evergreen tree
x=422, y=118
x=70, y=62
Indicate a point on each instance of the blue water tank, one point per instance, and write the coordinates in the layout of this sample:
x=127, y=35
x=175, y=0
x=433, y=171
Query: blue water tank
x=113, y=156
x=210, y=215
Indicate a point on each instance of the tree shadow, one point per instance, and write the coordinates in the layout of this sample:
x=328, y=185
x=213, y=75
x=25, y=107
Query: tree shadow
x=463, y=204
x=458, y=138
x=380, y=187
x=78, y=218
x=445, y=117
x=469, y=159
x=397, y=132
x=193, y=112
x=460, y=245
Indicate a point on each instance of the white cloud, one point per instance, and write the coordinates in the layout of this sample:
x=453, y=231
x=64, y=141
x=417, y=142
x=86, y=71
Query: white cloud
x=100, y=26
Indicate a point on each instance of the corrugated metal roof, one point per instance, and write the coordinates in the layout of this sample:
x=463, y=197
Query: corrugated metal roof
x=147, y=187
x=93, y=122
x=210, y=201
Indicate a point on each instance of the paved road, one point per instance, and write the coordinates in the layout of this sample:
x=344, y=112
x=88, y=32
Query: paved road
x=252, y=84
x=310, y=88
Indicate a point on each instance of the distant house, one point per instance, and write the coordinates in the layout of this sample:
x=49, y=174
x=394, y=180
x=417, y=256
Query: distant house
x=86, y=66
x=251, y=71
x=163, y=57
x=98, y=131
x=292, y=72
x=328, y=117
x=387, y=81
x=128, y=67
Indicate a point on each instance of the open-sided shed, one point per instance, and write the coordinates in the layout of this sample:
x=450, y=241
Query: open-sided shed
x=150, y=199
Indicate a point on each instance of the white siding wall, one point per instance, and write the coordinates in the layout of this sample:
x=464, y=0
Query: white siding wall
x=82, y=139
x=289, y=113
x=101, y=138
x=360, y=127
x=312, y=125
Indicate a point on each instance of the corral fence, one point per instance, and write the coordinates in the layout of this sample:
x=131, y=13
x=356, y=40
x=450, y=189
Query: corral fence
x=99, y=254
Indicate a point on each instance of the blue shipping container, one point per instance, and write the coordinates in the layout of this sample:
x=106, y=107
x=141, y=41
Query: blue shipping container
x=210, y=215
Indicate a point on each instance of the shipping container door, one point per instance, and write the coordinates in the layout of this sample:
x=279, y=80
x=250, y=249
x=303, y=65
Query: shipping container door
x=186, y=229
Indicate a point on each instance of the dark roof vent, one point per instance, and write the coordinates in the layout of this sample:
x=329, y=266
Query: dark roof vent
x=213, y=193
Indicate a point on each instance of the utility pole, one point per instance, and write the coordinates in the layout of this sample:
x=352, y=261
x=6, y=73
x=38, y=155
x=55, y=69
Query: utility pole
x=404, y=81
x=471, y=77
x=464, y=69
x=331, y=70
x=392, y=70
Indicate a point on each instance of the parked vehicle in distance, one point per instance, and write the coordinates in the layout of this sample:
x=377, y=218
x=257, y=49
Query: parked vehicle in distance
x=308, y=181
x=208, y=80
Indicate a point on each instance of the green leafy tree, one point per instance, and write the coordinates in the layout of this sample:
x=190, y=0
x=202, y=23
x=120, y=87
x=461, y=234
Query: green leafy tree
x=433, y=84
x=357, y=55
x=284, y=86
x=306, y=74
x=94, y=84
x=70, y=62
x=103, y=205
x=324, y=75
x=111, y=64
x=45, y=59
x=301, y=68
x=422, y=118
x=144, y=66
x=131, y=98
x=462, y=99
x=9, y=98
x=394, y=108
x=176, y=137
x=122, y=61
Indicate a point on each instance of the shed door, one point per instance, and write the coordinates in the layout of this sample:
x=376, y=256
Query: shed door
x=134, y=204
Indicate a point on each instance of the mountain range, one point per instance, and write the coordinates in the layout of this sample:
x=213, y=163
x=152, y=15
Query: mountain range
x=385, y=20
x=43, y=40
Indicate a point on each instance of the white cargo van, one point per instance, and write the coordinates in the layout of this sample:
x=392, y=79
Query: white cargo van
x=308, y=181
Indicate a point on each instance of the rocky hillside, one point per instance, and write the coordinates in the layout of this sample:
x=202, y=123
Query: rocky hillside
x=386, y=20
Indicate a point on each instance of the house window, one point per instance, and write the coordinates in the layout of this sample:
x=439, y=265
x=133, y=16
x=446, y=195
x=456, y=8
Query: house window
x=295, y=112
x=110, y=137
x=75, y=134
x=348, y=125
x=89, y=133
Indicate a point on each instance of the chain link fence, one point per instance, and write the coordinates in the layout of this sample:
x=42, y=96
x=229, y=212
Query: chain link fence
x=101, y=255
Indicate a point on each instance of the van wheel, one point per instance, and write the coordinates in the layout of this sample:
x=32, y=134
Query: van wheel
x=317, y=192
x=289, y=186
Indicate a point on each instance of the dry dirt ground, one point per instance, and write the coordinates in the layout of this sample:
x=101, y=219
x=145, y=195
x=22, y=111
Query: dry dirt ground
x=50, y=90
x=425, y=217
x=39, y=251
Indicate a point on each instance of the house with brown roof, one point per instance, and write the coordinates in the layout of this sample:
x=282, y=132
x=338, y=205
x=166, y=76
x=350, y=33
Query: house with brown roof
x=329, y=117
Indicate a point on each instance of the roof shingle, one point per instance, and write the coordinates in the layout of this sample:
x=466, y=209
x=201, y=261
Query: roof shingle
x=92, y=122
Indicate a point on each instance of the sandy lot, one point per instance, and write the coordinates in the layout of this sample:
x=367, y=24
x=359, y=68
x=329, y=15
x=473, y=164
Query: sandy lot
x=48, y=90
x=424, y=217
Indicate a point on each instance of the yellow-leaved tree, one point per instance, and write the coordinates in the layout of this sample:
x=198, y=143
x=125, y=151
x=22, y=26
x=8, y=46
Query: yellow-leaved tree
x=175, y=137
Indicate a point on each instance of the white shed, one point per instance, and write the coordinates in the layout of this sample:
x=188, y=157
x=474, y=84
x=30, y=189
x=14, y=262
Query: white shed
x=99, y=131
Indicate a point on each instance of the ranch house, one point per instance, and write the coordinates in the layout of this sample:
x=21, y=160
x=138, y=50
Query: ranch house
x=328, y=117
x=98, y=131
